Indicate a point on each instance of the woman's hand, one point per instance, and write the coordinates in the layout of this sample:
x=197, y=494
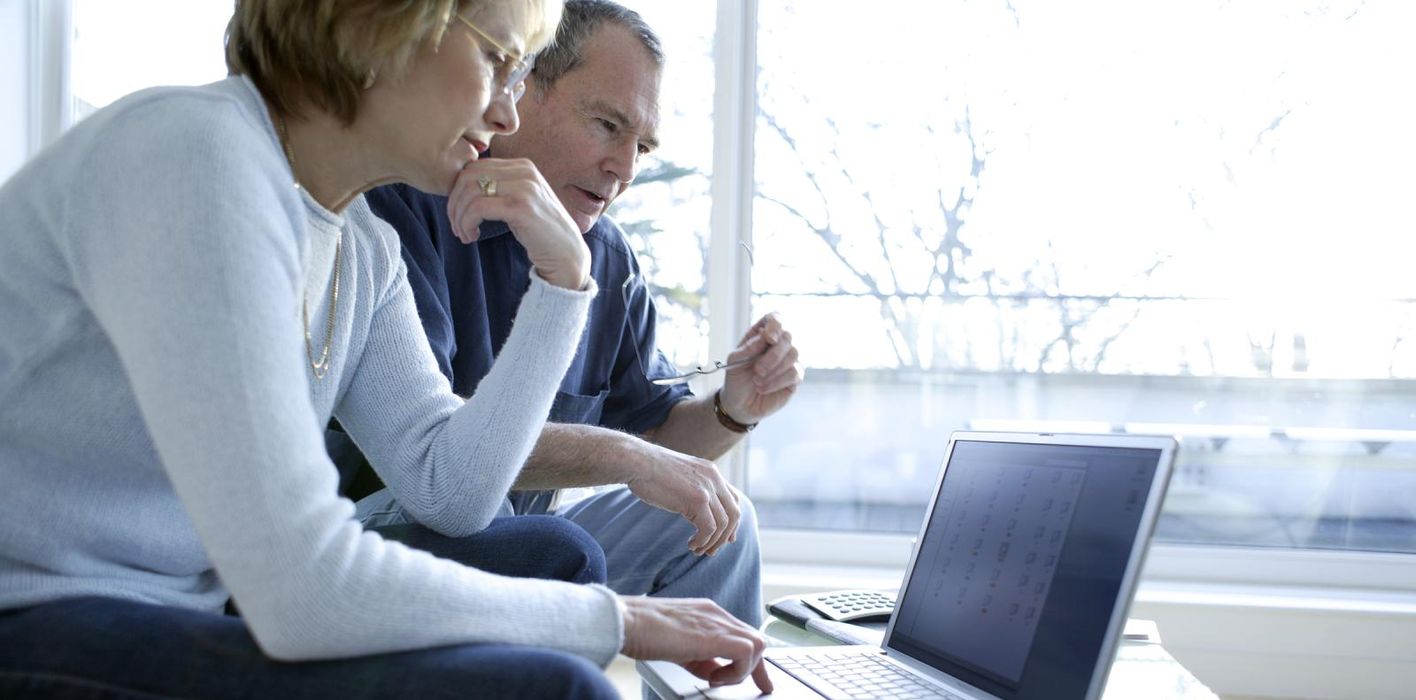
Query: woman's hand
x=513, y=191
x=695, y=633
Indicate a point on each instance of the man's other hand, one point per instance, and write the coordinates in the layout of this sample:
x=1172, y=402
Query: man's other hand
x=691, y=487
x=760, y=388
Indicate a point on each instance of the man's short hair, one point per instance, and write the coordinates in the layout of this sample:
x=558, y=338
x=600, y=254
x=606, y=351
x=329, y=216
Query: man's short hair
x=578, y=24
x=324, y=52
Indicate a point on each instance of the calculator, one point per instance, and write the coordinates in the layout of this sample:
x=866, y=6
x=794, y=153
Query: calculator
x=853, y=605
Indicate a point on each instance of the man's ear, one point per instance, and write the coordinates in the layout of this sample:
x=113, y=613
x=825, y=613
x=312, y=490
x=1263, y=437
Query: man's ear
x=535, y=90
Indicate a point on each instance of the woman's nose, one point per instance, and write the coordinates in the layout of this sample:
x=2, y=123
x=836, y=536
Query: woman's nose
x=501, y=113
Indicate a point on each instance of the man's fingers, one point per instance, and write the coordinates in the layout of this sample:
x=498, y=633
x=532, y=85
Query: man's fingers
x=720, y=520
x=720, y=524
x=770, y=324
x=792, y=376
x=753, y=345
x=730, y=508
x=777, y=356
x=702, y=518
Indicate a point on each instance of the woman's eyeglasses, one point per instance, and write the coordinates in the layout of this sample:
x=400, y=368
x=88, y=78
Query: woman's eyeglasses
x=511, y=70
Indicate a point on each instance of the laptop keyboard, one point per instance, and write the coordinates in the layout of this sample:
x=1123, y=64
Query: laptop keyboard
x=857, y=676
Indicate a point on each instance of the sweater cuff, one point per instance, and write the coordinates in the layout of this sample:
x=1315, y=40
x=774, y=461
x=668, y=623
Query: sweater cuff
x=590, y=287
x=616, y=609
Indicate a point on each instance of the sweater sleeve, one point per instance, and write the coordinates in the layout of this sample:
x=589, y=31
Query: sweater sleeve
x=182, y=240
x=452, y=468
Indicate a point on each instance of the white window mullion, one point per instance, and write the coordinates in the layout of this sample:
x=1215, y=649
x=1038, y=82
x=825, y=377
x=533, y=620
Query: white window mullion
x=50, y=93
x=734, y=119
x=14, y=85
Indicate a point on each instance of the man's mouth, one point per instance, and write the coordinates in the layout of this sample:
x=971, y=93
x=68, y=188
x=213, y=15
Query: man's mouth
x=595, y=197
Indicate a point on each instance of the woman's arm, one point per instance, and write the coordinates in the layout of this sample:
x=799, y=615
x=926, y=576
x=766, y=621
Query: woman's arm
x=449, y=462
x=181, y=234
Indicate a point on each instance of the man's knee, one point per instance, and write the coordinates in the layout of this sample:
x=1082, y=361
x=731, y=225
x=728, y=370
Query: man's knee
x=576, y=555
x=555, y=674
x=526, y=546
x=747, y=526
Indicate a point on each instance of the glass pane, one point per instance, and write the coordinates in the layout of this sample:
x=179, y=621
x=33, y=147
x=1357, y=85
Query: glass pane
x=122, y=47
x=1187, y=218
x=666, y=212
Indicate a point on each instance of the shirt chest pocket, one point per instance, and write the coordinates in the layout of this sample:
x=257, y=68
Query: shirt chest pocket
x=578, y=408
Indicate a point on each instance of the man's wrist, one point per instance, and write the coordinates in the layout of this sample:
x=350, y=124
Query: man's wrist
x=726, y=420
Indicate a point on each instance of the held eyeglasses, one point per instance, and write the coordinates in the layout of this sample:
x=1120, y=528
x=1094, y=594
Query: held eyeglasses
x=511, y=70
x=683, y=375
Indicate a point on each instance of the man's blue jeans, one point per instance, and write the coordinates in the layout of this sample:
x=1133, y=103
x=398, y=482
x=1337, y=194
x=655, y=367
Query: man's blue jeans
x=110, y=648
x=646, y=548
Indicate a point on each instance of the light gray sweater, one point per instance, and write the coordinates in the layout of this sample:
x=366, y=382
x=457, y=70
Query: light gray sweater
x=161, y=429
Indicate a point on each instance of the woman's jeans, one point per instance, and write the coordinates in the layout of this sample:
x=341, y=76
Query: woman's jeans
x=111, y=648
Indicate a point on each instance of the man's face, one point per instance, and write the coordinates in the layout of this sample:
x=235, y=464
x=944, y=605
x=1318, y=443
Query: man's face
x=588, y=132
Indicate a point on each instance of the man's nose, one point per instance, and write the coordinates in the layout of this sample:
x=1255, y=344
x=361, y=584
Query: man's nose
x=623, y=161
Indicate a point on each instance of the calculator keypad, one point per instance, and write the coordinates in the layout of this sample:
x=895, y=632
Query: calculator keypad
x=846, y=604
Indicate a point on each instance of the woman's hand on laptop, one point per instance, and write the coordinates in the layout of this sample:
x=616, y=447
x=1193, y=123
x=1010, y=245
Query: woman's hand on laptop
x=695, y=633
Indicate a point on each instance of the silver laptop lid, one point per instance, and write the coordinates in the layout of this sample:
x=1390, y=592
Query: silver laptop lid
x=1028, y=559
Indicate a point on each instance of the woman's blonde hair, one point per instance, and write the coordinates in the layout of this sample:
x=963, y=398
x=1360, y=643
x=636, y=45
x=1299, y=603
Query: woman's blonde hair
x=324, y=53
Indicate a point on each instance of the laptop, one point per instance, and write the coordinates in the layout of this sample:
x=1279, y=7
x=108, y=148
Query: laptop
x=1018, y=586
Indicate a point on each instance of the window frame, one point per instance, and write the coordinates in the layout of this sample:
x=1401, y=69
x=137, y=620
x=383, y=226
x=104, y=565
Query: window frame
x=48, y=34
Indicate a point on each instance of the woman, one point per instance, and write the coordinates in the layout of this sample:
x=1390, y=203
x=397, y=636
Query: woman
x=177, y=335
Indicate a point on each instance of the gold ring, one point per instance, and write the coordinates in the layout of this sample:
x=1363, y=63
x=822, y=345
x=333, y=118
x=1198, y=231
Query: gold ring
x=488, y=185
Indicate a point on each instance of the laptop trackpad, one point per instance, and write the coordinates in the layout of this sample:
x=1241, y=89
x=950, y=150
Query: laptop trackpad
x=673, y=681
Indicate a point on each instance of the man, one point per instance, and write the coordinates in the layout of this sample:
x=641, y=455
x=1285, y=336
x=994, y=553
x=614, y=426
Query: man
x=679, y=529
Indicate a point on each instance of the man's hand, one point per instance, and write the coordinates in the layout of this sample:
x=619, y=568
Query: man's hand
x=760, y=388
x=691, y=487
x=528, y=205
x=694, y=633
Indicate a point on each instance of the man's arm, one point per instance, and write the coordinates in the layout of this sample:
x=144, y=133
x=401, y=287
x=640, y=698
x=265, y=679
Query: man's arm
x=569, y=455
x=749, y=394
x=669, y=468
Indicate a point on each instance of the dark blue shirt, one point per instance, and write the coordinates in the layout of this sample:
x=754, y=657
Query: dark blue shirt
x=467, y=296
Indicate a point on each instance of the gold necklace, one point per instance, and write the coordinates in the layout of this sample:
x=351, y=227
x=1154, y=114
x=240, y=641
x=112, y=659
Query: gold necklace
x=318, y=367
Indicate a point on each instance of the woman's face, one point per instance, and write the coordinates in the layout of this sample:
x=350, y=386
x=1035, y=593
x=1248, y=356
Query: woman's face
x=451, y=102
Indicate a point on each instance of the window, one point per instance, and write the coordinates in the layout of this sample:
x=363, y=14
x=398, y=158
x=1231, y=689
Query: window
x=666, y=212
x=1020, y=215
x=120, y=48
x=1093, y=216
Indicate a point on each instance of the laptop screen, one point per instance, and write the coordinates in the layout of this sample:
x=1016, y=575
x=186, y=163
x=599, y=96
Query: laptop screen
x=1019, y=568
